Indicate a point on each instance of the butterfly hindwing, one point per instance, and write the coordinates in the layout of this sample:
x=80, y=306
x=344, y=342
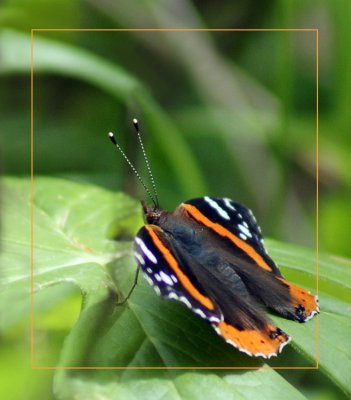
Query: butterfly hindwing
x=161, y=267
x=244, y=323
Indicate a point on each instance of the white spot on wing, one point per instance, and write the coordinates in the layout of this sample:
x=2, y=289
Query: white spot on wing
x=245, y=351
x=259, y=355
x=252, y=216
x=243, y=237
x=139, y=258
x=284, y=344
x=217, y=207
x=228, y=204
x=244, y=230
x=166, y=278
x=149, y=280
x=185, y=301
x=145, y=250
x=313, y=313
x=199, y=312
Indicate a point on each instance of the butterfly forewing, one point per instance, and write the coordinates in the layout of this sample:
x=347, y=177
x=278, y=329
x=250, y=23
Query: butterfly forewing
x=236, y=224
x=170, y=279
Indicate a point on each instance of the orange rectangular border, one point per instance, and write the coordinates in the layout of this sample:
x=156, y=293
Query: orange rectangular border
x=31, y=330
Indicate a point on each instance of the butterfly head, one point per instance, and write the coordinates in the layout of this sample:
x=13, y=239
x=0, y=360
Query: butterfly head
x=152, y=213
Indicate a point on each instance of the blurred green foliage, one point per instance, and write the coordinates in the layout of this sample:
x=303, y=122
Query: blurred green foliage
x=222, y=113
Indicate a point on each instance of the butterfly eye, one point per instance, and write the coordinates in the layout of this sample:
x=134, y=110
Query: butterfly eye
x=152, y=217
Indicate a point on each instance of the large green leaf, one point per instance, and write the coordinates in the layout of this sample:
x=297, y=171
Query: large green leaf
x=74, y=227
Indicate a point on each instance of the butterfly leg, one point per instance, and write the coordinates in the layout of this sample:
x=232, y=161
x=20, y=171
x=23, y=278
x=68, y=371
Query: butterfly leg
x=121, y=303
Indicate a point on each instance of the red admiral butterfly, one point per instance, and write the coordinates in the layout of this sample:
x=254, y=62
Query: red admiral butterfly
x=209, y=254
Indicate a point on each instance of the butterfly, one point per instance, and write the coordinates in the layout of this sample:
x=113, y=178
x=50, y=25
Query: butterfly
x=209, y=254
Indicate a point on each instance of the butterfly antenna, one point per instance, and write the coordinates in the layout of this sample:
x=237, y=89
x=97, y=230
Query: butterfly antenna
x=113, y=140
x=136, y=126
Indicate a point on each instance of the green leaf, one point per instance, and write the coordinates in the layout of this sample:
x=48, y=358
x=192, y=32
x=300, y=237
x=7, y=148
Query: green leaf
x=267, y=384
x=73, y=226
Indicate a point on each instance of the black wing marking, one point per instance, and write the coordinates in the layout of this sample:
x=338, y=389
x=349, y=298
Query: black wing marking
x=156, y=257
x=239, y=221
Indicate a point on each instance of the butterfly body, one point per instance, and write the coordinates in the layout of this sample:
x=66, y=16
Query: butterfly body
x=209, y=254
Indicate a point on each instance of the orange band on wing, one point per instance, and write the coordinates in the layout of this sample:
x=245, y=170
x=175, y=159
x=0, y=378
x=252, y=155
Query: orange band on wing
x=195, y=213
x=254, y=342
x=183, y=279
x=302, y=297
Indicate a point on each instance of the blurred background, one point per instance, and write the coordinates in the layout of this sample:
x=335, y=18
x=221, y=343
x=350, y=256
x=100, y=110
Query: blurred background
x=222, y=113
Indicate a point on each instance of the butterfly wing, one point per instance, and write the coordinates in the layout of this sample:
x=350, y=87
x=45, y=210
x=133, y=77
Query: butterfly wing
x=235, y=223
x=242, y=239
x=244, y=324
x=154, y=255
x=225, y=301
